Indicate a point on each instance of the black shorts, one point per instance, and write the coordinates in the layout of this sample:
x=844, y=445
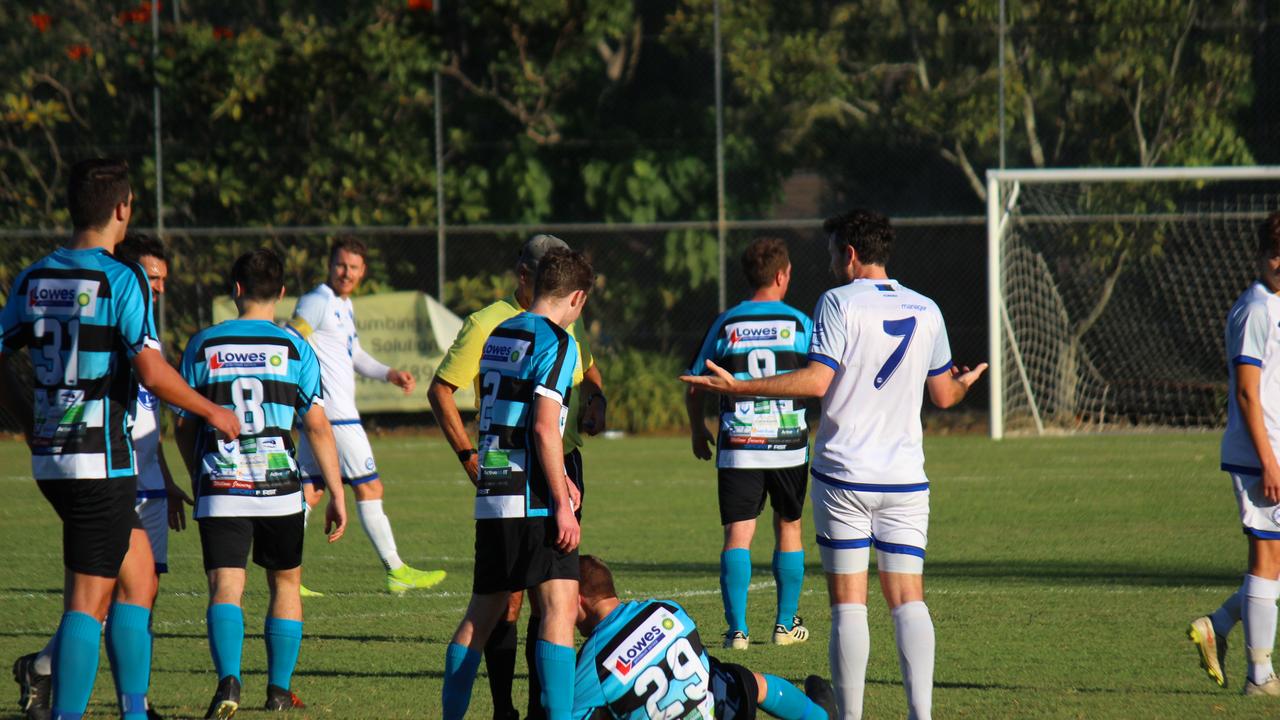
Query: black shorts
x=573, y=468
x=742, y=492
x=97, y=519
x=276, y=540
x=519, y=553
x=734, y=689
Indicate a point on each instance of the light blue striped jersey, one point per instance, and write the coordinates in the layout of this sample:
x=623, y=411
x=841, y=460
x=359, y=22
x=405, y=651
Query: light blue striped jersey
x=82, y=315
x=525, y=357
x=268, y=376
x=754, y=340
x=645, y=660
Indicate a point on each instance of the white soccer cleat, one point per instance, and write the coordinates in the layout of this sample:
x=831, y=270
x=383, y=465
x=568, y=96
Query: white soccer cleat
x=736, y=640
x=798, y=633
x=1212, y=648
x=1270, y=686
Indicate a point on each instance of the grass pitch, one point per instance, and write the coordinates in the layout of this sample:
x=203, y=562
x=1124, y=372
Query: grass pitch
x=1061, y=576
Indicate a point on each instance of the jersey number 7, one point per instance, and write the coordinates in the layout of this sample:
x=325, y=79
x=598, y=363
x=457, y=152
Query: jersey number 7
x=904, y=328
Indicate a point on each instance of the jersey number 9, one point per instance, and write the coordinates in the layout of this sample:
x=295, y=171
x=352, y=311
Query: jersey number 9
x=685, y=664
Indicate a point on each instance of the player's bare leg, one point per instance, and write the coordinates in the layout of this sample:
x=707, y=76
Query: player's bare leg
x=735, y=581
x=1261, y=588
x=462, y=657
x=283, y=633
x=788, y=575
x=850, y=643
x=558, y=600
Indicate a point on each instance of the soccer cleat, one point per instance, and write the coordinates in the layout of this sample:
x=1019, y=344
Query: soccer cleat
x=152, y=714
x=226, y=699
x=820, y=692
x=1211, y=647
x=304, y=592
x=798, y=633
x=279, y=699
x=405, y=578
x=33, y=688
x=1270, y=686
x=737, y=640
x=511, y=714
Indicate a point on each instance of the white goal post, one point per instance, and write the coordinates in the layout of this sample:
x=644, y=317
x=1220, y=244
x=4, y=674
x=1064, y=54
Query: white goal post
x=1107, y=289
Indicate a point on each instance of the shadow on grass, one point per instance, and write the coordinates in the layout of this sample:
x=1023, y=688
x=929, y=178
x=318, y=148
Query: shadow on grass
x=1040, y=689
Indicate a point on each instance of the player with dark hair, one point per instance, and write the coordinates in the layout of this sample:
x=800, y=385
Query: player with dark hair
x=247, y=488
x=644, y=660
x=877, y=346
x=526, y=532
x=764, y=444
x=1249, y=457
x=86, y=320
x=326, y=319
x=159, y=500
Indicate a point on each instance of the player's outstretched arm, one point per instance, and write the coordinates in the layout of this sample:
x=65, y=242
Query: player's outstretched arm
x=445, y=407
x=948, y=389
x=1249, y=398
x=165, y=383
x=699, y=435
x=546, y=437
x=812, y=380
x=370, y=367
x=320, y=434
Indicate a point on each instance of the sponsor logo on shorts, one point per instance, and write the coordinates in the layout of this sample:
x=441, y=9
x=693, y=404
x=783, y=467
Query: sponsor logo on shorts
x=368, y=464
x=1275, y=515
x=48, y=296
x=645, y=642
x=146, y=399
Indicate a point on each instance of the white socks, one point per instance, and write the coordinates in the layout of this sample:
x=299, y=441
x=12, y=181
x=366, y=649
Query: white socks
x=913, y=629
x=1260, y=624
x=378, y=528
x=1226, y=616
x=849, y=647
x=44, y=660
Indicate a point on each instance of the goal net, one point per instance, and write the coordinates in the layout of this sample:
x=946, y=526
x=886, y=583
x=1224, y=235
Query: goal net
x=1108, y=293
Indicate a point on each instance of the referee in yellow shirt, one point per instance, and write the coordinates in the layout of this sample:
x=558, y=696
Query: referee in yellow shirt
x=460, y=367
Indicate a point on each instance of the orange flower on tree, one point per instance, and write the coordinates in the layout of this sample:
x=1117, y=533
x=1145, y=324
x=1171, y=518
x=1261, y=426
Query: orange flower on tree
x=79, y=51
x=222, y=33
x=41, y=21
x=424, y=5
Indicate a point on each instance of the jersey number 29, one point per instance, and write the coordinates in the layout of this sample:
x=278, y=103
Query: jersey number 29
x=685, y=664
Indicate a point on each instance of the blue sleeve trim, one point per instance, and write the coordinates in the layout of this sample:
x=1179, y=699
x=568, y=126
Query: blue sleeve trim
x=899, y=549
x=852, y=544
x=336, y=423
x=942, y=369
x=1246, y=360
x=1242, y=470
x=819, y=357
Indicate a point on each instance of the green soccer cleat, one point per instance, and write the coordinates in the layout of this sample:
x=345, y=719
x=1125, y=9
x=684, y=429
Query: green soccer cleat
x=304, y=592
x=797, y=633
x=405, y=578
x=1211, y=647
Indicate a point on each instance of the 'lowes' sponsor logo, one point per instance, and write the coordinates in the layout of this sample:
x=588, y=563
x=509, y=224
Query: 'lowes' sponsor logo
x=47, y=296
x=260, y=359
x=647, y=641
x=227, y=359
x=500, y=352
x=504, y=353
x=761, y=332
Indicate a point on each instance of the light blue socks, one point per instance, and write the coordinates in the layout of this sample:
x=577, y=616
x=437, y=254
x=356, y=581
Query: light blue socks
x=284, y=639
x=735, y=578
x=460, y=665
x=788, y=573
x=75, y=664
x=555, y=670
x=129, y=648
x=783, y=700
x=226, y=638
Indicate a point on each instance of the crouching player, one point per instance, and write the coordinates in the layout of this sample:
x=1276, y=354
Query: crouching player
x=247, y=489
x=644, y=660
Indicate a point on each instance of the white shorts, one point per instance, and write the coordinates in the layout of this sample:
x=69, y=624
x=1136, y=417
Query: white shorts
x=154, y=514
x=850, y=522
x=355, y=457
x=1259, y=516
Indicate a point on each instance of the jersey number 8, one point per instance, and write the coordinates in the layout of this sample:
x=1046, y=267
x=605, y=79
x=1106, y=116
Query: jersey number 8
x=247, y=396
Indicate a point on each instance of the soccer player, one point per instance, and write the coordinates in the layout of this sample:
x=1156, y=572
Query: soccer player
x=876, y=346
x=764, y=444
x=86, y=320
x=324, y=317
x=159, y=500
x=461, y=367
x=526, y=531
x=643, y=660
x=1249, y=452
x=247, y=489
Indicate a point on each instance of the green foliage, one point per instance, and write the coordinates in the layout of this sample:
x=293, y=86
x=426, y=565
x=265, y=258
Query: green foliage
x=644, y=394
x=470, y=293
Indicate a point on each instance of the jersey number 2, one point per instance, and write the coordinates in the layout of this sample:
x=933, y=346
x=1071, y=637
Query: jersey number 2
x=489, y=390
x=904, y=328
x=685, y=664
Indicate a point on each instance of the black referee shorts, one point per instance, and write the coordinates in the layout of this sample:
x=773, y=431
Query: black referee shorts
x=97, y=519
x=742, y=492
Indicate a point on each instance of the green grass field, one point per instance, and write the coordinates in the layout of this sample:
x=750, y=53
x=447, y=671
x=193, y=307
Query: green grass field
x=1061, y=575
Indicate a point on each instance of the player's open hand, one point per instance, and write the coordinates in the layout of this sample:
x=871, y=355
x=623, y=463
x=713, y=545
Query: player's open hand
x=402, y=379
x=1271, y=483
x=225, y=422
x=701, y=442
x=575, y=495
x=568, y=533
x=966, y=376
x=177, y=514
x=472, y=466
x=335, y=518
x=721, y=380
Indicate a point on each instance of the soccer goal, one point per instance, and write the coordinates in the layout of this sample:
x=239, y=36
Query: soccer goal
x=1108, y=291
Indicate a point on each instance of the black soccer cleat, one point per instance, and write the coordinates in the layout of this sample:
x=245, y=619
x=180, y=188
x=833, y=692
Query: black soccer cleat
x=279, y=699
x=33, y=688
x=226, y=700
x=820, y=692
x=152, y=714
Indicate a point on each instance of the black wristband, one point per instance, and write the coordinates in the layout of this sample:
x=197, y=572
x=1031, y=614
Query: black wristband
x=593, y=396
x=465, y=455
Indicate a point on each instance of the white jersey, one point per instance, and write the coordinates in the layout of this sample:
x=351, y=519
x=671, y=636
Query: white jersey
x=329, y=324
x=146, y=445
x=1253, y=338
x=883, y=341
